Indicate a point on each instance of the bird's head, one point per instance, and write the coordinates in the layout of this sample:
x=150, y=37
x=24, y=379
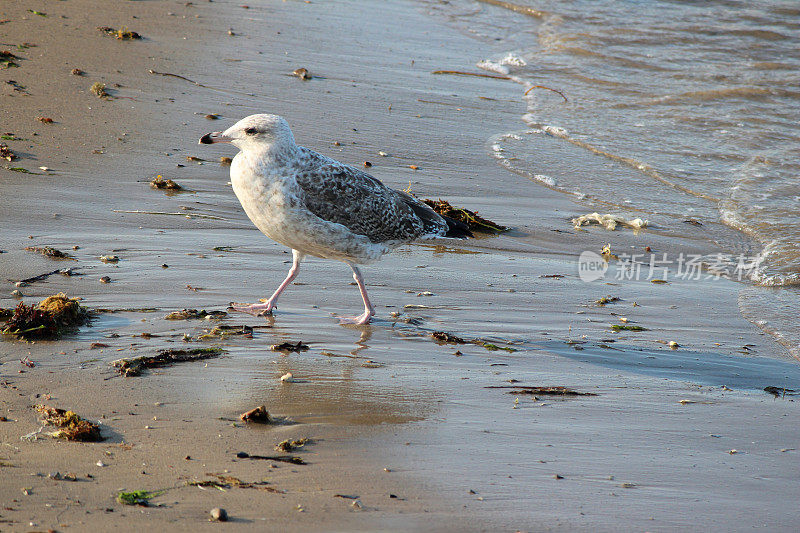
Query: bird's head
x=256, y=132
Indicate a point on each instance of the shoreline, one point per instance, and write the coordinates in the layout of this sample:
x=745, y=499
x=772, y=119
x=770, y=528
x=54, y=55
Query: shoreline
x=384, y=396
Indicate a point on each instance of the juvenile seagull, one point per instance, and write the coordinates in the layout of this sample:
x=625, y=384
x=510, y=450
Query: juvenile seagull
x=318, y=206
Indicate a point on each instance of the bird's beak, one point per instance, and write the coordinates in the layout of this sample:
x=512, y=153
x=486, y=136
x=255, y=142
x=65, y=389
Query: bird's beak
x=214, y=137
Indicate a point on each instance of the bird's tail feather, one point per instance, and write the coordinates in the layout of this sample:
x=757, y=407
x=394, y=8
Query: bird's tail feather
x=456, y=229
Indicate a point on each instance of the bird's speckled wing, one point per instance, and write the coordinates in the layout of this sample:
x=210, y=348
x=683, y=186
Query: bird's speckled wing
x=342, y=194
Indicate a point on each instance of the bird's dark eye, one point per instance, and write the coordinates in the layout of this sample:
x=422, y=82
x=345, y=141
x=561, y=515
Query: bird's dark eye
x=250, y=131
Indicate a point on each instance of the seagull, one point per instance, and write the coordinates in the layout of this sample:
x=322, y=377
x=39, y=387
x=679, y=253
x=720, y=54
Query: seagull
x=320, y=207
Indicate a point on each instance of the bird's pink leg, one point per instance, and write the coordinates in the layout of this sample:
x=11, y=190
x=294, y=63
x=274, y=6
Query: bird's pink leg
x=266, y=308
x=366, y=316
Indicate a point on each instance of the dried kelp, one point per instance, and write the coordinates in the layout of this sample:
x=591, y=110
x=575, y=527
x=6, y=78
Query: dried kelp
x=289, y=445
x=160, y=183
x=223, y=331
x=557, y=390
x=49, y=251
x=447, y=338
x=6, y=153
x=289, y=347
x=123, y=34
x=135, y=365
x=470, y=218
x=186, y=314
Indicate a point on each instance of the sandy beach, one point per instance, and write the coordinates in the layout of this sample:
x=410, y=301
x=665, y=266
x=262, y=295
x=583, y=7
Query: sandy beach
x=406, y=433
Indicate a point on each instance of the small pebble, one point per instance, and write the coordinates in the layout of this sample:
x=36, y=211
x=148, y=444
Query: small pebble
x=287, y=377
x=105, y=279
x=219, y=514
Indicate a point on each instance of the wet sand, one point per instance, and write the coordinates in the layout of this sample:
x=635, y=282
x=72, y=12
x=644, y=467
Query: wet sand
x=383, y=397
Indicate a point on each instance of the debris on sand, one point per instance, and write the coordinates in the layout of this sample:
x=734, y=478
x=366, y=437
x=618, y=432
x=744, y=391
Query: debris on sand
x=48, y=319
x=443, y=337
x=109, y=258
x=781, y=391
x=160, y=183
x=447, y=338
x=134, y=365
x=77, y=72
x=45, y=120
x=71, y=426
x=226, y=331
x=302, y=73
x=138, y=497
x=187, y=314
x=123, y=34
x=608, y=221
x=470, y=218
x=287, y=378
x=63, y=271
x=557, y=390
x=49, y=251
x=606, y=300
x=7, y=59
x=291, y=445
x=219, y=514
x=289, y=347
x=6, y=153
x=493, y=347
x=627, y=327
x=224, y=482
x=281, y=458
x=258, y=415
x=99, y=90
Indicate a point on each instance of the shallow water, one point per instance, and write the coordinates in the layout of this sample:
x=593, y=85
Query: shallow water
x=676, y=111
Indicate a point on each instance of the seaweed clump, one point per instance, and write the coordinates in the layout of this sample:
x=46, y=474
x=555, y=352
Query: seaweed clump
x=7, y=59
x=71, y=426
x=186, y=314
x=470, y=218
x=291, y=445
x=138, y=497
x=49, y=251
x=160, y=183
x=47, y=320
x=447, y=338
x=6, y=153
x=123, y=34
x=99, y=90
